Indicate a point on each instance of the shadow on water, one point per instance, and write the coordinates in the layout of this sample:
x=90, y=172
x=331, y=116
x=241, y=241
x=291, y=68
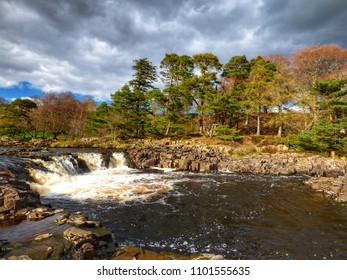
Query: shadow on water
x=238, y=216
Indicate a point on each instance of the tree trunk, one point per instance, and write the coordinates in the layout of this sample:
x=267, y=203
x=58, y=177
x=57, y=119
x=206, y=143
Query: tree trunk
x=201, y=125
x=258, y=122
x=168, y=129
x=212, y=130
x=279, y=133
x=280, y=128
x=258, y=125
x=231, y=122
x=247, y=124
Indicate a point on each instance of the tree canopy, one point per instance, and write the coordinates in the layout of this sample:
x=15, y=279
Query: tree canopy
x=301, y=96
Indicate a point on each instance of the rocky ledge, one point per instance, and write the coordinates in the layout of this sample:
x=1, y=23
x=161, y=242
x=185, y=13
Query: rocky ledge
x=53, y=233
x=16, y=197
x=212, y=159
x=76, y=237
x=327, y=174
x=335, y=187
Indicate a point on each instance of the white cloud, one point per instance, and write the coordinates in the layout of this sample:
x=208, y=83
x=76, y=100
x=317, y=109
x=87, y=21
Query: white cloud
x=89, y=46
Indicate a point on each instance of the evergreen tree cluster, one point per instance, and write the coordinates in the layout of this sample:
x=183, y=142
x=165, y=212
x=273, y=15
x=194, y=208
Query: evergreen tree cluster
x=302, y=96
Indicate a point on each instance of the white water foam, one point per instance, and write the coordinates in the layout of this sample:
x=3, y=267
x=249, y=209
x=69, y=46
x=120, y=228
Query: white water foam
x=94, y=161
x=118, y=183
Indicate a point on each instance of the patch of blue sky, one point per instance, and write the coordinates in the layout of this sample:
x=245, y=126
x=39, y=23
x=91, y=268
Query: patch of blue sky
x=20, y=90
x=25, y=89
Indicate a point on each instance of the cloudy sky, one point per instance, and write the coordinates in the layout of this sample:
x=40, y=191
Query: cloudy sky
x=88, y=46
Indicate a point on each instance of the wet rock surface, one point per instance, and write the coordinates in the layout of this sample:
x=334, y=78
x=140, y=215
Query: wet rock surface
x=335, y=187
x=328, y=174
x=63, y=242
x=136, y=253
x=87, y=244
x=43, y=236
x=80, y=238
x=16, y=197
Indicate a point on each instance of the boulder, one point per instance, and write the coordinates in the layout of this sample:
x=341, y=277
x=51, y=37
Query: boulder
x=77, y=220
x=85, y=252
x=79, y=236
x=335, y=187
x=183, y=164
x=61, y=219
x=195, y=166
x=39, y=214
x=14, y=199
x=85, y=244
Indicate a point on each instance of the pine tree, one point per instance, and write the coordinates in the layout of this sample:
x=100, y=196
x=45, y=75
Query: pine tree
x=131, y=103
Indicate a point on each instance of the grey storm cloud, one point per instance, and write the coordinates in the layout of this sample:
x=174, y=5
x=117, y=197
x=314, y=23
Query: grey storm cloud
x=88, y=46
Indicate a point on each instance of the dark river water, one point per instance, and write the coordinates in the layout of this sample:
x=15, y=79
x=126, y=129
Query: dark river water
x=240, y=216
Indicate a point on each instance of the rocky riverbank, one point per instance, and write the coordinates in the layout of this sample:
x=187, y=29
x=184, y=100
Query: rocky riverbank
x=47, y=233
x=73, y=236
x=327, y=174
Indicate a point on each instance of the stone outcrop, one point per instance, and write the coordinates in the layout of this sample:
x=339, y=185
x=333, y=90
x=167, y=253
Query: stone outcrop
x=78, y=236
x=86, y=244
x=15, y=193
x=88, y=240
x=40, y=213
x=77, y=220
x=286, y=164
x=328, y=174
x=333, y=187
x=212, y=159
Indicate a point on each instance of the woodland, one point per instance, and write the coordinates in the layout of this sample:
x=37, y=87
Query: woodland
x=299, y=99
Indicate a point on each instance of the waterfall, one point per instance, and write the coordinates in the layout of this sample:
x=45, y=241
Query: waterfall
x=98, y=176
x=61, y=168
x=65, y=165
x=99, y=161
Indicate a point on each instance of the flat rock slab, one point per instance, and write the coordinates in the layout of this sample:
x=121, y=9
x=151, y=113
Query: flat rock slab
x=43, y=236
x=78, y=236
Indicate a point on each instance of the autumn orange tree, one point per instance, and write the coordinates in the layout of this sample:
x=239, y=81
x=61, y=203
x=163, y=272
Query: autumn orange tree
x=318, y=62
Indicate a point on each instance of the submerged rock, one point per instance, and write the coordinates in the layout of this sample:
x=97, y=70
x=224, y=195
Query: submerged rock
x=335, y=187
x=135, y=253
x=61, y=220
x=43, y=236
x=21, y=258
x=4, y=247
x=81, y=221
x=40, y=213
x=77, y=220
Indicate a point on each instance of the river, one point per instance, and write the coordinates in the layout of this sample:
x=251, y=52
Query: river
x=240, y=216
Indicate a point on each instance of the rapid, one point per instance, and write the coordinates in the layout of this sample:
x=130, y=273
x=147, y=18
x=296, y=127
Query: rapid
x=240, y=216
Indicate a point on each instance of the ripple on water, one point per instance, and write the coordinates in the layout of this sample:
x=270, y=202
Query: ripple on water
x=240, y=216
